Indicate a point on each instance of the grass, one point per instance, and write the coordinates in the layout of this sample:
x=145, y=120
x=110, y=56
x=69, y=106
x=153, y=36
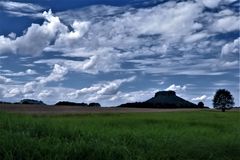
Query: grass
x=165, y=136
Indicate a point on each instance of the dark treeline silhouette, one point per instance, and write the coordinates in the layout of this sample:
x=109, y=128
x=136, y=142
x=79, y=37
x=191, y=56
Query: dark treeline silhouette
x=31, y=101
x=2, y=102
x=66, y=103
x=63, y=103
x=94, y=105
x=25, y=101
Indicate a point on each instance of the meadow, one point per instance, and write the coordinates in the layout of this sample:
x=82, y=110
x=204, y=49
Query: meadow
x=196, y=135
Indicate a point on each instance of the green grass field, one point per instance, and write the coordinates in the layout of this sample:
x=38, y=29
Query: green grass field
x=197, y=135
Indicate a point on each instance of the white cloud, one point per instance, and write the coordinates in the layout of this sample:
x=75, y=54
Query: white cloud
x=223, y=83
x=25, y=73
x=174, y=87
x=12, y=92
x=4, y=80
x=57, y=74
x=196, y=37
x=30, y=72
x=170, y=19
x=132, y=96
x=108, y=42
x=111, y=40
x=21, y=14
x=3, y=57
x=201, y=98
x=182, y=65
x=67, y=38
x=18, y=6
x=231, y=48
x=6, y=45
x=226, y=24
x=12, y=35
x=224, y=13
x=130, y=30
x=102, y=60
x=211, y=3
x=34, y=88
x=100, y=90
x=112, y=87
x=39, y=37
x=30, y=87
x=36, y=36
x=21, y=9
x=45, y=94
x=215, y=3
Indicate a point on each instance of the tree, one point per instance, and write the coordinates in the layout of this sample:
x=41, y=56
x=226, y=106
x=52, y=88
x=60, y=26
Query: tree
x=94, y=105
x=200, y=105
x=223, y=99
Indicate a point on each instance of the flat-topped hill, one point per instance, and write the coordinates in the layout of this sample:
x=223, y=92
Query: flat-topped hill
x=163, y=99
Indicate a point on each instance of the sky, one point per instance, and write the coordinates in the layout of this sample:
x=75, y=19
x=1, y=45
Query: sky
x=113, y=52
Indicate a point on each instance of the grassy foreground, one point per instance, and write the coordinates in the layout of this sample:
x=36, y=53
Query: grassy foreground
x=167, y=136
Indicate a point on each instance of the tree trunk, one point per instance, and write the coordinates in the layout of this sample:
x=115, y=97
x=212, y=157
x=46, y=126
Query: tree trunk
x=223, y=109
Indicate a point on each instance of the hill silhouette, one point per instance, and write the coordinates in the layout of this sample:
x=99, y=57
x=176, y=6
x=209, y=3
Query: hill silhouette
x=163, y=99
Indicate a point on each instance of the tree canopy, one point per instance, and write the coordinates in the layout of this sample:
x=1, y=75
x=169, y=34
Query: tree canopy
x=223, y=99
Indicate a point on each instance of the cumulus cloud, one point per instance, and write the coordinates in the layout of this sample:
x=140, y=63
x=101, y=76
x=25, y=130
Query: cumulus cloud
x=40, y=37
x=201, y=98
x=6, y=45
x=30, y=87
x=132, y=33
x=226, y=24
x=4, y=80
x=36, y=87
x=101, y=92
x=108, y=42
x=102, y=60
x=36, y=36
x=57, y=74
x=231, y=48
x=12, y=92
x=45, y=94
x=174, y=87
x=130, y=30
x=67, y=38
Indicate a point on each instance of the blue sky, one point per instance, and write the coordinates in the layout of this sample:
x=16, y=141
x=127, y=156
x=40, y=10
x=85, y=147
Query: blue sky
x=114, y=52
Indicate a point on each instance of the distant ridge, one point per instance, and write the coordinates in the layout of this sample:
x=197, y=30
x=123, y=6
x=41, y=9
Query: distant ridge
x=163, y=99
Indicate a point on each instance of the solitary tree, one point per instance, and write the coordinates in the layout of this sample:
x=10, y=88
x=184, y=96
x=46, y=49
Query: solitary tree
x=223, y=99
x=200, y=105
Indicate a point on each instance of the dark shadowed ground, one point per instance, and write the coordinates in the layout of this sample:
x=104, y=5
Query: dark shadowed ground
x=41, y=109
